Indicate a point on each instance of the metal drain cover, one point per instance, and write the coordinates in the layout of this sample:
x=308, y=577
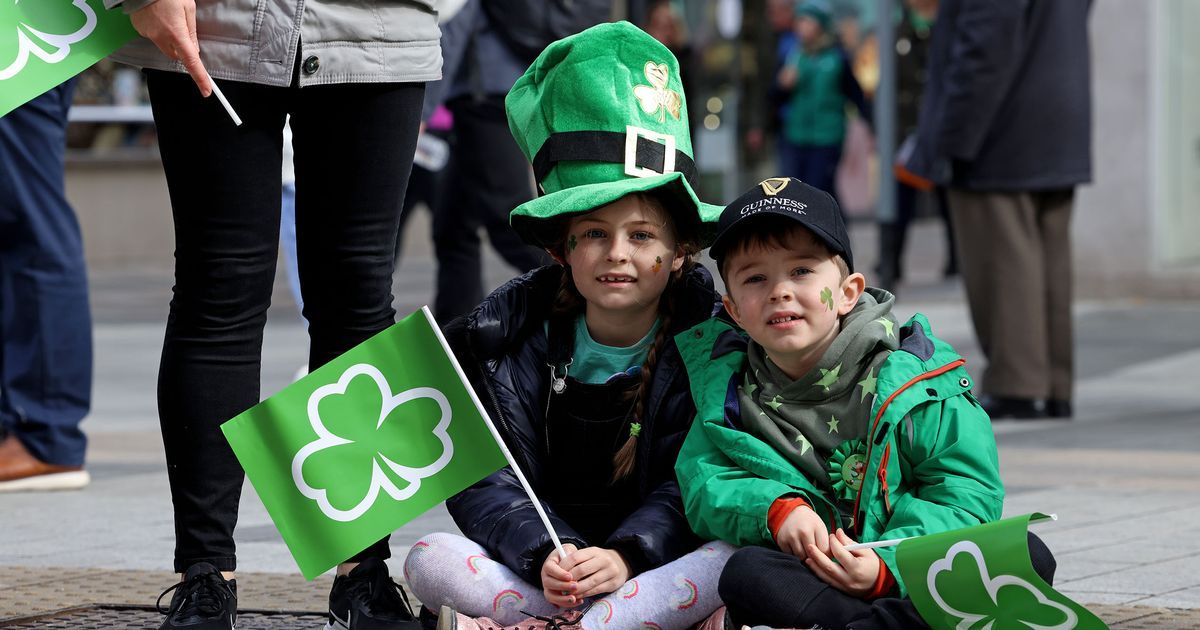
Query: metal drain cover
x=145, y=617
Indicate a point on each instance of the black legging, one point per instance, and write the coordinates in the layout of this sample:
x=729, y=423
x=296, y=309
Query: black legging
x=354, y=146
x=486, y=178
x=763, y=586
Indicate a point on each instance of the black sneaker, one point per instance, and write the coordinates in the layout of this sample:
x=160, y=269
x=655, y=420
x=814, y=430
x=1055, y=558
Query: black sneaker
x=368, y=599
x=202, y=601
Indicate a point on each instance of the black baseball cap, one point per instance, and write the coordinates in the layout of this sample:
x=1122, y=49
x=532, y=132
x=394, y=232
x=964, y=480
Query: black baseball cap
x=788, y=197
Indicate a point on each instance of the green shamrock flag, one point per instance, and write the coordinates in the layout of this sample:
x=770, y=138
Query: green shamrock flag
x=980, y=578
x=366, y=443
x=46, y=42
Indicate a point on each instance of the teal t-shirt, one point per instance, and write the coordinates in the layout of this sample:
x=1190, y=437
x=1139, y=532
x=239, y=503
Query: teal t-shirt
x=596, y=363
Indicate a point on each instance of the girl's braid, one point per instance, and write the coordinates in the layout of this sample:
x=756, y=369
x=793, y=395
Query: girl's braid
x=623, y=461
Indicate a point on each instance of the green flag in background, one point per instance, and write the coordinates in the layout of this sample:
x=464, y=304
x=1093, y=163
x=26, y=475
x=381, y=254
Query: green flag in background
x=46, y=42
x=366, y=443
x=980, y=578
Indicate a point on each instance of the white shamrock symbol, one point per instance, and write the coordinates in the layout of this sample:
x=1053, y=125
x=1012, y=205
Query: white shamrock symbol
x=379, y=480
x=993, y=586
x=60, y=43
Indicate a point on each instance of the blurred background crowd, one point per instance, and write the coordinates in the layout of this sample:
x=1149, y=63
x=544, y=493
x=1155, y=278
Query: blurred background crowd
x=1131, y=235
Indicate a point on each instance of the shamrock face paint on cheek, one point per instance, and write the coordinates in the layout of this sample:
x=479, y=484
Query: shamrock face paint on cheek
x=657, y=264
x=827, y=297
x=572, y=243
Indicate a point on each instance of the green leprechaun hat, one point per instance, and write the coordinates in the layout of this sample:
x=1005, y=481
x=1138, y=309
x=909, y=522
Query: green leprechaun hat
x=600, y=115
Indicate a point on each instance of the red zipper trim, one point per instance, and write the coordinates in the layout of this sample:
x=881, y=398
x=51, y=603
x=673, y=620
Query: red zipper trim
x=875, y=425
x=883, y=462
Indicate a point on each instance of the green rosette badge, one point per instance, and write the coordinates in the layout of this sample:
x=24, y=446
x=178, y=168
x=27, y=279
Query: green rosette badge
x=847, y=466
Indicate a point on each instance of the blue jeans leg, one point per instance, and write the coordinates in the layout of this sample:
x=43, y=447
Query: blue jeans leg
x=45, y=321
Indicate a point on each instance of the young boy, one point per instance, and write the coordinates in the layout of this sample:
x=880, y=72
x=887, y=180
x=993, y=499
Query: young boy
x=832, y=424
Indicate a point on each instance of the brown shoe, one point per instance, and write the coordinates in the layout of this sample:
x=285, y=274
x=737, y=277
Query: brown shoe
x=21, y=471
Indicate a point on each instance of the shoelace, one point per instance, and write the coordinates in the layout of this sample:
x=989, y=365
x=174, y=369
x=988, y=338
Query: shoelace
x=563, y=621
x=204, y=593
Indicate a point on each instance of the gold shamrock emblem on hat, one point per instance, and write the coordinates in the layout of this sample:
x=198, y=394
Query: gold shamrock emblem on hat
x=656, y=98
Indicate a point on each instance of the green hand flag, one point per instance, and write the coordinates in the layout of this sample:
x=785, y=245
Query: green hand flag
x=46, y=42
x=366, y=443
x=981, y=578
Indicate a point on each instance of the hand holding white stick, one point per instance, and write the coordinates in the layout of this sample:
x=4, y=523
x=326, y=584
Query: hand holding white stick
x=171, y=25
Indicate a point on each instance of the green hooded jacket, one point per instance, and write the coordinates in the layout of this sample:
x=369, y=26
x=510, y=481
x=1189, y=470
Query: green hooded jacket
x=816, y=110
x=931, y=460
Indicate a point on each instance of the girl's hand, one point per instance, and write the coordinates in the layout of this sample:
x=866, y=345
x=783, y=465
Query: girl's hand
x=597, y=571
x=802, y=528
x=171, y=25
x=854, y=573
x=557, y=584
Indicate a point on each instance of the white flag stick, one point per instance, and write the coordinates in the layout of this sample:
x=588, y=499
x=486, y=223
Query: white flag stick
x=897, y=541
x=877, y=543
x=228, y=108
x=537, y=505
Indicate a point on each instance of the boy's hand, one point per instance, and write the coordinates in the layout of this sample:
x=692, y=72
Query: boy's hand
x=802, y=528
x=558, y=586
x=596, y=571
x=854, y=573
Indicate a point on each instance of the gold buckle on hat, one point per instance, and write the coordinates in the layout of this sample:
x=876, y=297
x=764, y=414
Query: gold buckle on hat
x=632, y=134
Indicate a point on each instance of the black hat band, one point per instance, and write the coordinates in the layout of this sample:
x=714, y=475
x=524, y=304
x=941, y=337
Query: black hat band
x=611, y=146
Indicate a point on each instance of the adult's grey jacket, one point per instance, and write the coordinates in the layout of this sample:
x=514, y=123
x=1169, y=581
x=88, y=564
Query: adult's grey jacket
x=259, y=41
x=1008, y=103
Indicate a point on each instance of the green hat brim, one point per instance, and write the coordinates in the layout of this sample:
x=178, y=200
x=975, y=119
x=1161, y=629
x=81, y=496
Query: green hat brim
x=535, y=221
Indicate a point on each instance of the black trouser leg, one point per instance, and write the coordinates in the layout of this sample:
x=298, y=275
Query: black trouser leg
x=354, y=147
x=225, y=192
x=767, y=587
x=350, y=182
x=489, y=176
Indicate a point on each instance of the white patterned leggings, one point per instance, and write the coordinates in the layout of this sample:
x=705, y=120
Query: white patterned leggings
x=446, y=569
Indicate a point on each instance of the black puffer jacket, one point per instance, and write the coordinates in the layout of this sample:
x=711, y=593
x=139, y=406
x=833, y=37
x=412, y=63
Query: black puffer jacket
x=502, y=346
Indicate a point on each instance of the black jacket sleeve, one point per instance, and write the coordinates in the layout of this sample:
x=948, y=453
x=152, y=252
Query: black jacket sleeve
x=497, y=514
x=656, y=533
x=985, y=50
x=853, y=92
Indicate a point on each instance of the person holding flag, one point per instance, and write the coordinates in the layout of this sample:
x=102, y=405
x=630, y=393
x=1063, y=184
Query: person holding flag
x=351, y=76
x=831, y=421
x=579, y=364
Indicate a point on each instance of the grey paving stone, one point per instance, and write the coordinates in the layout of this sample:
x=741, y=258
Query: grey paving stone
x=1088, y=598
x=1185, y=598
x=1148, y=579
x=1073, y=568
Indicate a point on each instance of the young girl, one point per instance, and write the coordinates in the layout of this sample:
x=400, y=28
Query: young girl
x=581, y=375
